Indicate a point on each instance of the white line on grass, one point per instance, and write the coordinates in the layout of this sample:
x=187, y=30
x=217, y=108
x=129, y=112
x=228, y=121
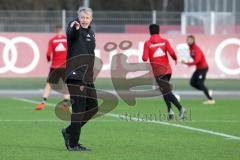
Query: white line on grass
x=228, y=136
x=47, y=120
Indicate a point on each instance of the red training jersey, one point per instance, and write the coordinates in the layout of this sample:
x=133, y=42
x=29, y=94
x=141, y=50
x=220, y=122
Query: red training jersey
x=156, y=49
x=57, y=51
x=198, y=57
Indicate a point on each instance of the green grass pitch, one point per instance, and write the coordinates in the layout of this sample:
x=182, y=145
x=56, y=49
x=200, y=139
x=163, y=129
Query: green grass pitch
x=27, y=134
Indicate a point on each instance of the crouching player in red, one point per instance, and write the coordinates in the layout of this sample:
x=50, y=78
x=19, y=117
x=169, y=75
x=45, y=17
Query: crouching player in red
x=156, y=49
x=56, y=54
x=199, y=76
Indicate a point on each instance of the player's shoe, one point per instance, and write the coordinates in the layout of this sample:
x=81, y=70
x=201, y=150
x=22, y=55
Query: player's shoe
x=79, y=147
x=66, y=137
x=209, y=102
x=65, y=105
x=182, y=113
x=40, y=106
x=210, y=92
x=171, y=115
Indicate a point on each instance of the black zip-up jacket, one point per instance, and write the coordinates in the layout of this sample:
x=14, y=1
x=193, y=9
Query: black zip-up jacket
x=80, y=56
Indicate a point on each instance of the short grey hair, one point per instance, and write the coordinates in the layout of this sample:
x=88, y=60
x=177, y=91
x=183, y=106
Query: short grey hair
x=85, y=10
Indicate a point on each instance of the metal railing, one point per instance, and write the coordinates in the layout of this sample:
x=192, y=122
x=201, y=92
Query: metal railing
x=104, y=21
x=111, y=21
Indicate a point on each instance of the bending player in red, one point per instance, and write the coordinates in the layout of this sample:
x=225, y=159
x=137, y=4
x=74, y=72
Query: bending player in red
x=156, y=49
x=56, y=54
x=199, y=76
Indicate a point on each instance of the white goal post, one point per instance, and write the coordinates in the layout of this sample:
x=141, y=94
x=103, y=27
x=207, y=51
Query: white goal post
x=208, y=22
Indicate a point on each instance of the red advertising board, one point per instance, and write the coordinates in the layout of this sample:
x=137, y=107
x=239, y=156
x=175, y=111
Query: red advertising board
x=24, y=54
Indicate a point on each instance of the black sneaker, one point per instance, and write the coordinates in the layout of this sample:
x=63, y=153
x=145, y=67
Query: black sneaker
x=170, y=115
x=80, y=148
x=181, y=113
x=66, y=137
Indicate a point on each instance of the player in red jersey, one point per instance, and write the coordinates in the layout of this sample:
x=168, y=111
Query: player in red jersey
x=56, y=54
x=157, y=49
x=199, y=76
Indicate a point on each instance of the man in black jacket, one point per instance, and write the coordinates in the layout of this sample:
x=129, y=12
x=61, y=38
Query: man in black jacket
x=79, y=77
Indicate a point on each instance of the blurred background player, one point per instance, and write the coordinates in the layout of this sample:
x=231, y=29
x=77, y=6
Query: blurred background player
x=199, y=76
x=156, y=50
x=56, y=54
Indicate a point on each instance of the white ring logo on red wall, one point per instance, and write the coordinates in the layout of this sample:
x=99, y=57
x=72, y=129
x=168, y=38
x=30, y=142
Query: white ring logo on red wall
x=10, y=55
x=218, y=55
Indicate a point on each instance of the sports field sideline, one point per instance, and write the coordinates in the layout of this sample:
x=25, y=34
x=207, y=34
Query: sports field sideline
x=106, y=83
x=33, y=87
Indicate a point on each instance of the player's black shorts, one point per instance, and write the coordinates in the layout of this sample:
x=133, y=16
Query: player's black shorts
x=55, y=75
x=163, y=83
